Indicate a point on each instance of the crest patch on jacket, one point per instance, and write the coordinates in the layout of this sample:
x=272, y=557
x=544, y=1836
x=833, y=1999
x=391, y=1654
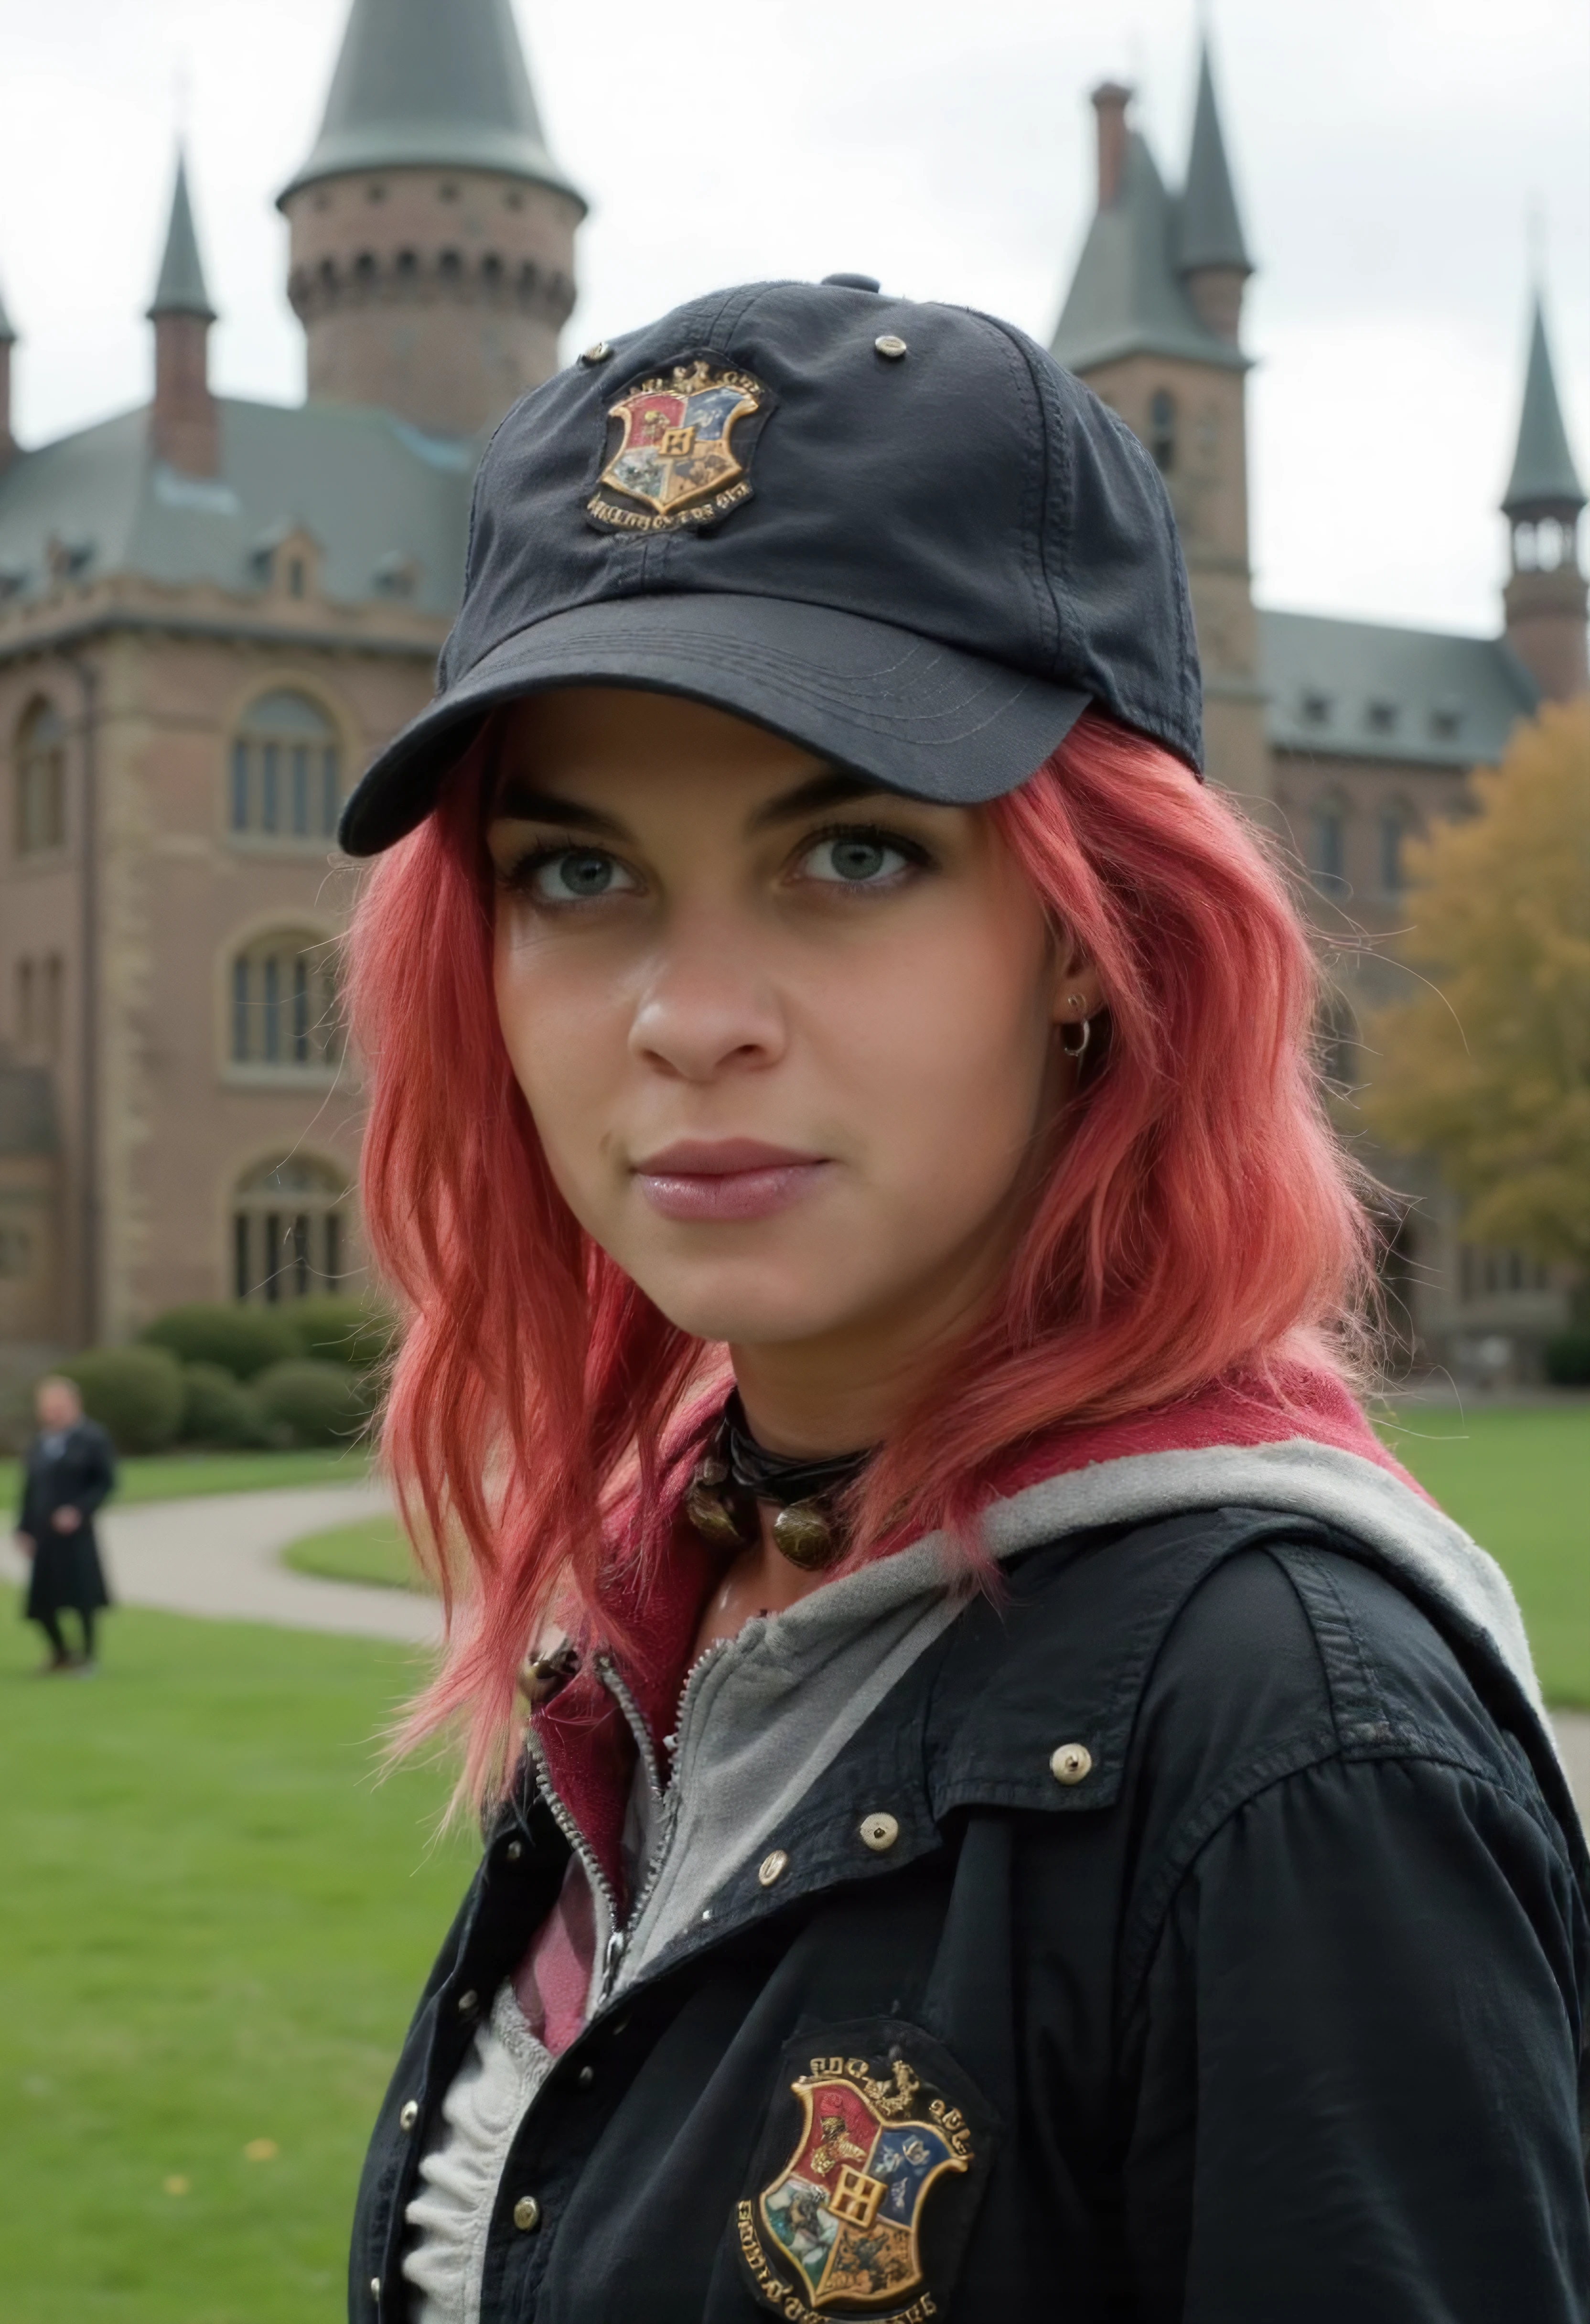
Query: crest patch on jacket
x=869, y=2166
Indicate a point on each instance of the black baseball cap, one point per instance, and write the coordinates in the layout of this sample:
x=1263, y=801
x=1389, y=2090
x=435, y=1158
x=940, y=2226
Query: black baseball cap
x=896, y=533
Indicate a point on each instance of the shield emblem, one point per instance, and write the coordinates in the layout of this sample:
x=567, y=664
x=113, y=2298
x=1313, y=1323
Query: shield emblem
x=674, y=455
x=846, y=2209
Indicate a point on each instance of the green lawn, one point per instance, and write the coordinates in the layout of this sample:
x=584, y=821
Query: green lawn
x=375, y=1549
x=213, y=1926
x=174, y=1476
x=1518, y=1478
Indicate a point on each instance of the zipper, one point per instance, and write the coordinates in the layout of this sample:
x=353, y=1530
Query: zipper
x=600, y=1888
x=670, y=1798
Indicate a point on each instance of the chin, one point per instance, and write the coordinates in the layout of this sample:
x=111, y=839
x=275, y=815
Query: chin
x=751, y=1314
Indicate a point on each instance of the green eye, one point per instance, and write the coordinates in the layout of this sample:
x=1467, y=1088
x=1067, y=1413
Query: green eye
x=578, y=875
x=855, y=859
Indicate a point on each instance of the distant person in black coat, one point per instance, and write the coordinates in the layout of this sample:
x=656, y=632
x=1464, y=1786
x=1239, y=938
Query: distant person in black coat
x=69, y=1470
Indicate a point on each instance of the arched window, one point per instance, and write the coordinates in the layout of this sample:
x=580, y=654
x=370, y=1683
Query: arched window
x=284, y=1004
x=1161, y=429
x=40, y=780
x=286, y=769
x=1328, y=844
x=288, y=1231
x=1395, y=823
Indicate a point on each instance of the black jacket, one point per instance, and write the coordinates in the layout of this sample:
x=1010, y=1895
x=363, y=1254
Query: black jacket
x=66, y=1568
x=1230, y=1964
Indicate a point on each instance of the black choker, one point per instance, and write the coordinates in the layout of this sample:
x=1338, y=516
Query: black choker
x=736, y=1472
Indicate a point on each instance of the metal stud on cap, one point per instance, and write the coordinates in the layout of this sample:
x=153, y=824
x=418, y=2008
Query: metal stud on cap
x=772, y=1867
x=1071, y=1763
x=891, y=345
x=880, y=1831
x=599, y=354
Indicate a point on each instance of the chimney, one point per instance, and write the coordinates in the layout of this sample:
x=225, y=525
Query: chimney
x=8, y=446
x=184, y=424
x=1110, y=100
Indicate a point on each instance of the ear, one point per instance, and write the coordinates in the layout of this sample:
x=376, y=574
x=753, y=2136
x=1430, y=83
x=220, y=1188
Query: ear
x=1076, y=991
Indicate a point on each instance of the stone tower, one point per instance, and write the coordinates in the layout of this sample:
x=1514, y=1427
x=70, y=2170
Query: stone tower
x=432, y=234
x=1545, y=597
x=1152, y=324
x=184, y=423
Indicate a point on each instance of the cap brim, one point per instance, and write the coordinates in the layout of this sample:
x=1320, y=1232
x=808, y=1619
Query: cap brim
x=920, y=717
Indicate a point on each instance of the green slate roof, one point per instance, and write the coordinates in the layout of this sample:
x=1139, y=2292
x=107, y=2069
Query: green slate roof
x=437, y=84
x=180, y=290
x=1127, y=297
x=380, y=498
x=1209, y=232
x=1372, y=690
x=1543, y=472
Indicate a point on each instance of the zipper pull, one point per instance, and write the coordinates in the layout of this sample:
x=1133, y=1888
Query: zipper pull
x=613, y=1954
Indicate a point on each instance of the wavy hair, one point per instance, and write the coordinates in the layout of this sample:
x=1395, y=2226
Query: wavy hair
x=1198, y=1223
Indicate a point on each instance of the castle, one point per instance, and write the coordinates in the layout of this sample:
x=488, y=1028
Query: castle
x=214, y=611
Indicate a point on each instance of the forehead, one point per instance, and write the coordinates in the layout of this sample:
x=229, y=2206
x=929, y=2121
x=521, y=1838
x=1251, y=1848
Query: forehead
x=617, y=732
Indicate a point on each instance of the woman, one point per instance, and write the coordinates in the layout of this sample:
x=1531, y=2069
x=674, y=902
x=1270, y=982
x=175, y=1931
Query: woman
x=1016, y=1805
x=70, y=1472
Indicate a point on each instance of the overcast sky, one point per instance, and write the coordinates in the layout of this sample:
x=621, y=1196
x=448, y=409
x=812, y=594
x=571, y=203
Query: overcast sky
x=1389, y=158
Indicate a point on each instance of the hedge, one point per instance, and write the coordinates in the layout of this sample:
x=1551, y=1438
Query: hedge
x=1567, y=1357
x=135, y=1393
x=242, y=1339
x=315, y=1403
x=218, y=1410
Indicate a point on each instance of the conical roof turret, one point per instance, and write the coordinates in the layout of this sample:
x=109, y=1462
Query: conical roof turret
x=1543, y=473
x=1208, y=231
x=180, y=290
x=437, y=84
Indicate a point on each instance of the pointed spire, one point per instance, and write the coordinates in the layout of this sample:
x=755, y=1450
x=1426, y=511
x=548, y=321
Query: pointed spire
x=419, y=85
x=180, y=290
x=1543, y=473
x=1208, y=231
x=1124, y=297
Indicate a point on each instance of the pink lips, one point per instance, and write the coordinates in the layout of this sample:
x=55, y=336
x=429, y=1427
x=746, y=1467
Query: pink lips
x=725, y=1180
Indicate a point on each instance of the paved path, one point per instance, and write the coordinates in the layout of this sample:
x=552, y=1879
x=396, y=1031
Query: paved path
x=221, y=1555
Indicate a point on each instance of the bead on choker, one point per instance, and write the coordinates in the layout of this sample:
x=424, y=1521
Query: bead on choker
x=736, y=1472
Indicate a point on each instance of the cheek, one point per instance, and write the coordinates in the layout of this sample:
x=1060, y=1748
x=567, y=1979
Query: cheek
x=565, y=1032
x=946, y=1057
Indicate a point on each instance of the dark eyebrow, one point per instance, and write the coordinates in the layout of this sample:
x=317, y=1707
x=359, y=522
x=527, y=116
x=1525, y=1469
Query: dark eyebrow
x=831, y=789
x=516, y=802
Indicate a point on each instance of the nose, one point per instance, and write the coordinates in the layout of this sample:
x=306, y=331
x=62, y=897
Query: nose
x=706, y=1008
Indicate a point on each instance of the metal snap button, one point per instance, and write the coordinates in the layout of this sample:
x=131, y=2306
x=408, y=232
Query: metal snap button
x=409, y=2115
x=526, y=2214
x=890, y=345
x=375, y=2287
x=599, y=354
x=514, y=1850
x=880, y=1831
x=772, y=1867
x=585, y=2077
x=468, y=2003
x=1071, y=1763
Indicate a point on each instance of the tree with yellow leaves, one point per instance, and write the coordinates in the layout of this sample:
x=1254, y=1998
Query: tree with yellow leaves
x=1488, y=1066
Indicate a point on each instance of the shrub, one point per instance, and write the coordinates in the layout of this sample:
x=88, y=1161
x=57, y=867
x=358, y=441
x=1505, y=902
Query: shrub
x=217, y=1409
x=343, y=1331
x=1567, y=1357
x=135, y=1393
x=242, y=1339
x=316, y=1403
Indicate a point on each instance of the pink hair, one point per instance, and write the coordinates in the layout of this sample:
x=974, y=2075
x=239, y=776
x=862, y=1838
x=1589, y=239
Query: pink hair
x=1198, y=1223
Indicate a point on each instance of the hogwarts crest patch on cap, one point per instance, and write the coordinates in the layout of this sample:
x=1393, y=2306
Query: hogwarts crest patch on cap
x=679, y=448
